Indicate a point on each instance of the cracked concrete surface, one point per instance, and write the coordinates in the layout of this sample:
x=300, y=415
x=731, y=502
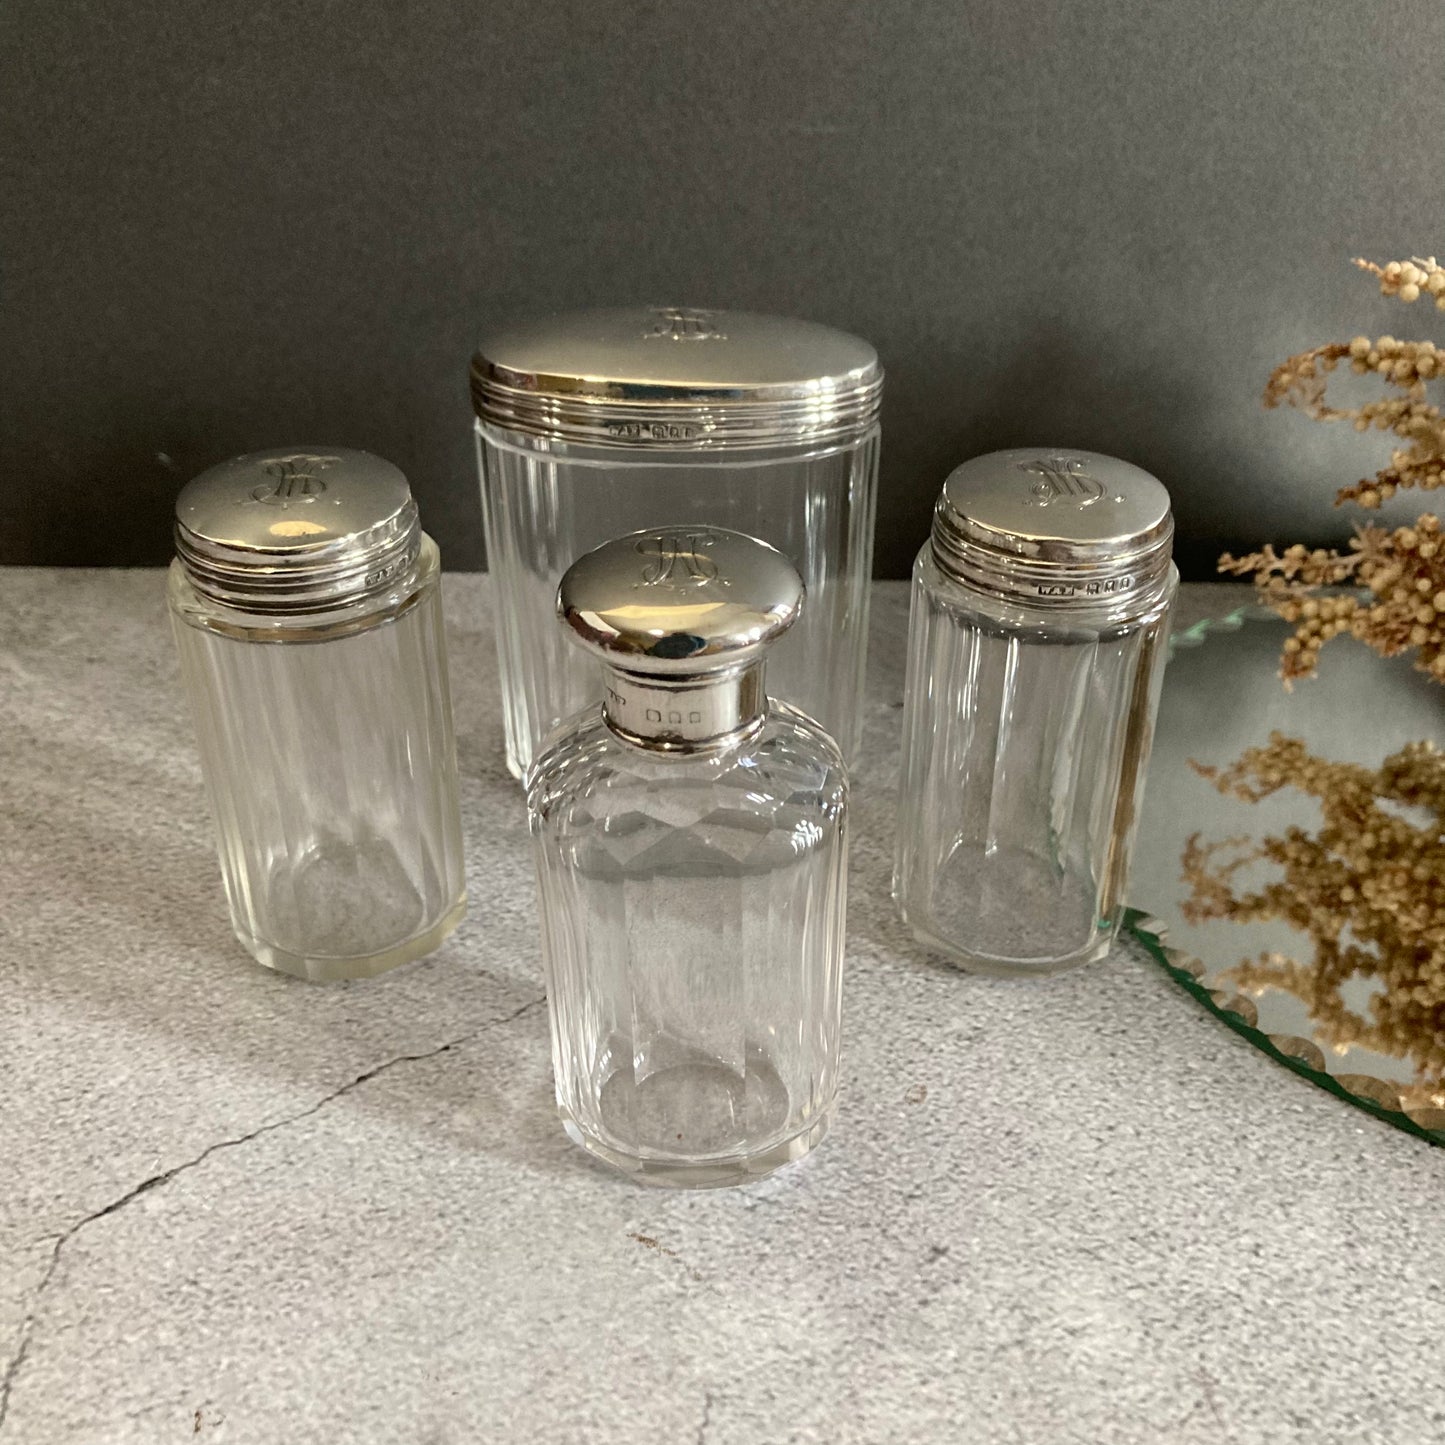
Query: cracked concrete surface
x=707, y=1401
x=165, y=1176
x=237, y=1207
x=12, y=1369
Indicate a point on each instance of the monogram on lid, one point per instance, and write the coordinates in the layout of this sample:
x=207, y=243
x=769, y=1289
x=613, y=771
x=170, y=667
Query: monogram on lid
x=681, y=616
x=297, y=530
x=1048, y=525
x=676, y=376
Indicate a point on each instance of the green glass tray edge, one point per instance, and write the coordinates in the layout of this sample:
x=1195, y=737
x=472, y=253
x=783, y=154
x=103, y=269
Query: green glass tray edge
x=1231, y=621
x=1136, y=924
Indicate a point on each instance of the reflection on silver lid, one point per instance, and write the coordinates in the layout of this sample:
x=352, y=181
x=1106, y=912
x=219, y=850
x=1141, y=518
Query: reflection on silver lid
x=677, y=601
x=676, y=377
x=297, y=529
x=1053, y=526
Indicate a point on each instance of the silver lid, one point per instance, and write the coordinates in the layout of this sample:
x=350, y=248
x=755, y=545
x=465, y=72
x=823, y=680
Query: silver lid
x=676, y=378
x=682, y=617
x=675, y=601
x=297, y=529
x=1055, y=527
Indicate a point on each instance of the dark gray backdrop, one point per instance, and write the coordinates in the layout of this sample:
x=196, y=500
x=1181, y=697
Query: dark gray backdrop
x=1090, y=222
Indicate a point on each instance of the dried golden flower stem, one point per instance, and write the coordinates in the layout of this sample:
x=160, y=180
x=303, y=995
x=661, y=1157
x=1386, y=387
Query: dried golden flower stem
x=1368, y=888
x=1403, y=574
x=1409, y=280
x=1401, y=570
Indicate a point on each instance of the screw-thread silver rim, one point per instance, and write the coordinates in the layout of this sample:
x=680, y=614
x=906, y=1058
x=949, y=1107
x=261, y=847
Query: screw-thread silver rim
x=1123, y=584
x=335, y=574
x=717, y=421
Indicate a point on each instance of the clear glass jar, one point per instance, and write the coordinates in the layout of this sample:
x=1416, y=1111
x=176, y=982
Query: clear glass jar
x=1036, y=648
x=306, y=605
x=597, y=423
x=691, y=849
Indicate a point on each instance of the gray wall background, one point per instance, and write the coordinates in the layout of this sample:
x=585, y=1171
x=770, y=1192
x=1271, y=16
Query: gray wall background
x=1090, y=222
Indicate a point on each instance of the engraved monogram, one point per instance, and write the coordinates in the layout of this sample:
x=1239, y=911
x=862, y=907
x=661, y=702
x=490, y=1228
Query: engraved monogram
x=682, y=323
x=677, y=557
x=1062, y=480
x=294, y=479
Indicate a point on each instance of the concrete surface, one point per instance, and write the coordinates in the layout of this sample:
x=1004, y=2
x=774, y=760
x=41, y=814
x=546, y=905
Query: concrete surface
x=236, y=1207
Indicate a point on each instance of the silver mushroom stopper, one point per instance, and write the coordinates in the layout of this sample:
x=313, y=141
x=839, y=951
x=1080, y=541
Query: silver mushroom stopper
x=682, y=618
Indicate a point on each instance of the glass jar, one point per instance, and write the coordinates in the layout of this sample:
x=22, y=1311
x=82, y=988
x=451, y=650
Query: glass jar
x=306, y=604
x=1036, y=650
x=600, y=422
x=691, y=851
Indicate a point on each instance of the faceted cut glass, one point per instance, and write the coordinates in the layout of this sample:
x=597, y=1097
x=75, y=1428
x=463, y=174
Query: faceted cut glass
x=692, y=913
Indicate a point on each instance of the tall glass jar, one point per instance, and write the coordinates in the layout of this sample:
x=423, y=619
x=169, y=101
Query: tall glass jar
x=306, y=604
x=1036, y=651
x=691, y=850
x=600, y=422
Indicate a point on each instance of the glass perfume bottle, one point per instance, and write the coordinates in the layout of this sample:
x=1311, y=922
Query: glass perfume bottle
x=691, y=848
x=306, y=603
x=593, y=423
x=1036, y=651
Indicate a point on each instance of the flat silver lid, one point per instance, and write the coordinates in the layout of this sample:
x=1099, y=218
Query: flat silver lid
x=1053, y=525
x=297, y=529
x=676, y=377
x=680, y=601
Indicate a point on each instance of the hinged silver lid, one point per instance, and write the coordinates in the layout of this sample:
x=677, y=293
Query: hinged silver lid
x=297, y=529
x=1054, y=526
x=678, y=378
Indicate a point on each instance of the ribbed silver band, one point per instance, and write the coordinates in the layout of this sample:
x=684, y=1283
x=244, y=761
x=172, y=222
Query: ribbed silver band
x=695, y=713
x=1126, y=583
x=339, y=574
x=719, y=422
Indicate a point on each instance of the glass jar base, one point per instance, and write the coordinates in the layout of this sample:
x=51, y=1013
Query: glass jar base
x=1010, y=967
x=317, y=969
x=660, y=1172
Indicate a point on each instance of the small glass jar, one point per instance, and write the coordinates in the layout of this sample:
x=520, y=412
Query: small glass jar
x=306, y=603
x=595, y=423
x=691, y=851
x=1036, y=650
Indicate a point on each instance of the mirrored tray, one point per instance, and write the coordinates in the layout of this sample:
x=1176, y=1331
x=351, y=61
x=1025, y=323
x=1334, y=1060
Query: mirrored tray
x=1222, y=695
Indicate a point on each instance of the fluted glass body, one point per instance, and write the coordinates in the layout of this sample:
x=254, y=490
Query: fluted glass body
x=328, y=756
x=1026, y=737
x=545, y=503
x=692, y=925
